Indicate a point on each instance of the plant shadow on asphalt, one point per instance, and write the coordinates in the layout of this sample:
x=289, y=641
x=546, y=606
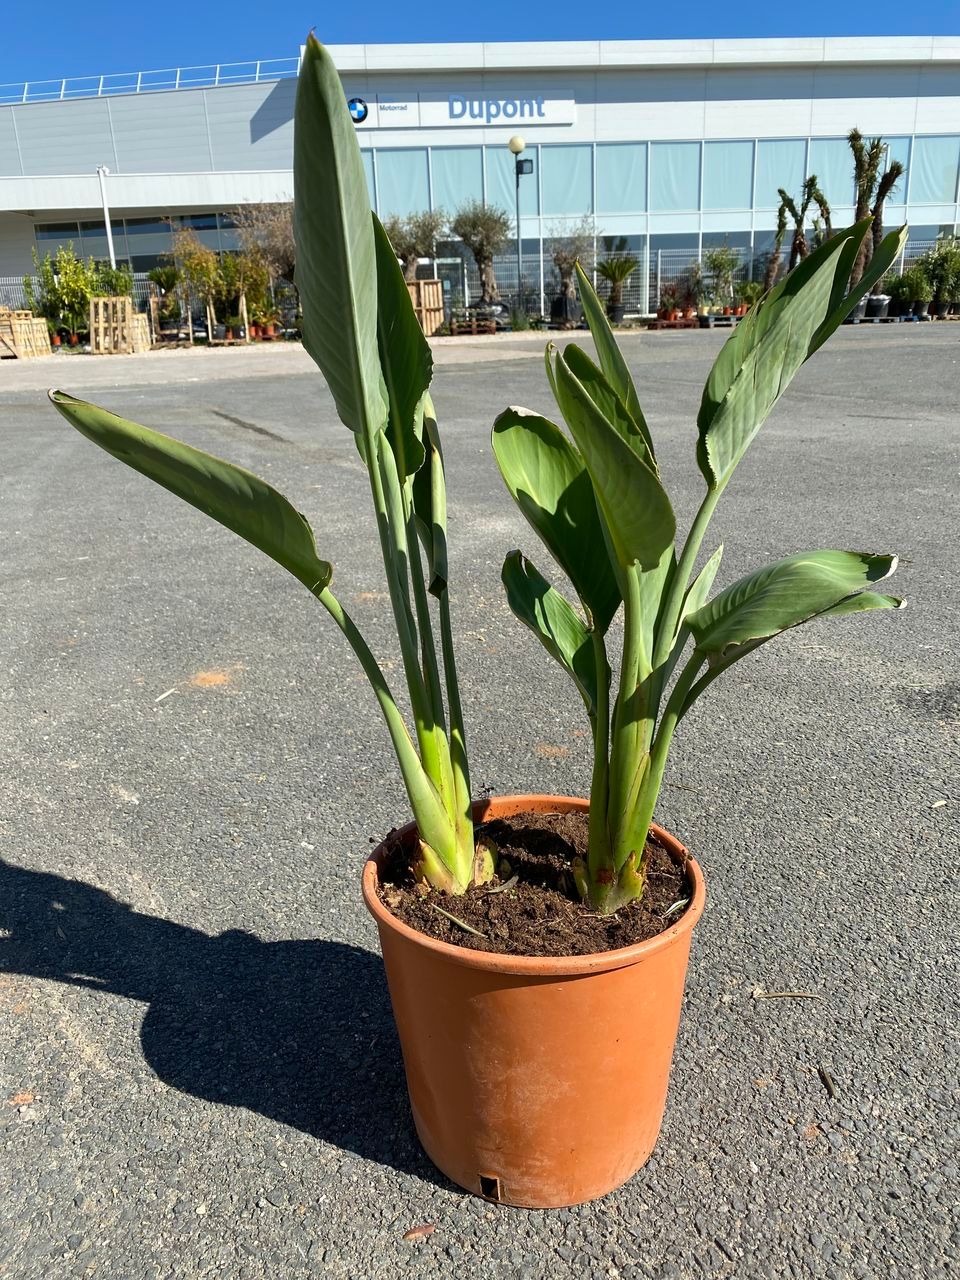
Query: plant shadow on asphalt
x=301, y=1032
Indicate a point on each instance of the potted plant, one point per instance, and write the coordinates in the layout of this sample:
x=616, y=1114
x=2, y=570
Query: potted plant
x=595, y=497
x=616, y=268
x=508, y=1057
x=668, y=302
x=748, y=293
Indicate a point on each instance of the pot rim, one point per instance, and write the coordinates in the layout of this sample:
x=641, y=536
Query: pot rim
x=540, y=966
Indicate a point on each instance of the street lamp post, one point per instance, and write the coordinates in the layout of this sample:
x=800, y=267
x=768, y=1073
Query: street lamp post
x=102, y=172
x=517, y=145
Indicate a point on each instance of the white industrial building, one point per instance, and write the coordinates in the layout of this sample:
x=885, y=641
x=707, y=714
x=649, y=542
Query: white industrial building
x=676, y=145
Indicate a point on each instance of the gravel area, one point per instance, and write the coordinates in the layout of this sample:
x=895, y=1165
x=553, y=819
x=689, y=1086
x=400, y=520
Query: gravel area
x=199, y=1074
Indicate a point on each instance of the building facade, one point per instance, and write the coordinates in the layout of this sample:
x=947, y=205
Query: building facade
x=674, y=145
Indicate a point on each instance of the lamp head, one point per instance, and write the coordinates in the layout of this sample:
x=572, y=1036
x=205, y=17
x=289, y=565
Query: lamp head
x=516, y=144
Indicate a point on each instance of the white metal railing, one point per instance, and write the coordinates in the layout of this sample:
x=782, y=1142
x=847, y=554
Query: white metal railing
x=207, y=77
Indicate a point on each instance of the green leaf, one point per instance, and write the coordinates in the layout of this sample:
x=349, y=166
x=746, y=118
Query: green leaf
x=842, y=303
x=550, y=484
x=336, y=271
x=611, y=357
x=405, y=357
x=769, y=346
x=634, y=505
x=554, y=621
x=785, y=594
x=232, y=496
x=696, y=596
x=430, y=502
x=607, y=401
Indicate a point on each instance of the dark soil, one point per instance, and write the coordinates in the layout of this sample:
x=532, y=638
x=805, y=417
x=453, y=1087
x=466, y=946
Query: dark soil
x=541, y=913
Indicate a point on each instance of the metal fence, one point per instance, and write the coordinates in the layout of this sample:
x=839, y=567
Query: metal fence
x=541, y=279
x=207, y=77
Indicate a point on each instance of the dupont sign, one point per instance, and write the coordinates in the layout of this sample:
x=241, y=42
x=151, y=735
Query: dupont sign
x=460, y=110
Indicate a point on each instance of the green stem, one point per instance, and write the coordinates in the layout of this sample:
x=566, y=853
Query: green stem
x=433, y=821
x=599, y=854
x=628, y=745
x=650, y=790
x=458, y=737
x=430, y=666
x=390, y=519
x=667, y=630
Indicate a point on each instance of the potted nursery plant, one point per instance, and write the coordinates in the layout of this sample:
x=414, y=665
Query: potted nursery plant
x=746, y=293
x=668, y=302
x=616, y=269
x=511, y=1063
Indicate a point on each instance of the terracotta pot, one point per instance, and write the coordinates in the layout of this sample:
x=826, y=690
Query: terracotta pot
x=74, y=339
x=55, y=339
x=538, y=1082
x=254, y=331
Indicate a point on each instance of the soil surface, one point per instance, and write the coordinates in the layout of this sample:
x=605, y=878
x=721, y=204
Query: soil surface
x=535, y=910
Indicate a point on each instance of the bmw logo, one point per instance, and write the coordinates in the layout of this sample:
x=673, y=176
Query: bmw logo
x=358, y=110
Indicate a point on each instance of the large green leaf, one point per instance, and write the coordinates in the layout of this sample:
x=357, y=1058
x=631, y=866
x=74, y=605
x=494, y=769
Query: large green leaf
x=555, y=623
x=336, y=271
x=550, y=484
x=769, y=346
x=632, y=500
x=611, y=357
x=607, y=401
x=785, y=594
x=234, y=497
x=430, y=502
x=696, y=596
x=405, y=357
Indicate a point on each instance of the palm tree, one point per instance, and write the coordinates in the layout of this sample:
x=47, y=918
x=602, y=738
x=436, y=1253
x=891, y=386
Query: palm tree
x=872, y=188
x=799, y=248
x=617, y=270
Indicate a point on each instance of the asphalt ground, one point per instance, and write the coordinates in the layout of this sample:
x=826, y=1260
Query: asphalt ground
x=199, y=1074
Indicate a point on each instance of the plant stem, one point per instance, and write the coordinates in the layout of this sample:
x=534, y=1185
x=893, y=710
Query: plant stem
x=628, y=750
x=432, y=820
x=599, y=854
x=667, y=630
x=458, y=737
x=650, y=790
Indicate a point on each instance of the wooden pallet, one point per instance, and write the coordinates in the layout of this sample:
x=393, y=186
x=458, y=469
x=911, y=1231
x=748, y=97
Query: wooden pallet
x=471, y=328
x=427, y=299
x=23, y=336
x=718, y=322
x=673, y=324
x=116, y=328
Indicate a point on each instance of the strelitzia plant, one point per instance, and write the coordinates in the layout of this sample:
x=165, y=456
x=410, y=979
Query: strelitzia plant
x=597, y=500
x=361, y=330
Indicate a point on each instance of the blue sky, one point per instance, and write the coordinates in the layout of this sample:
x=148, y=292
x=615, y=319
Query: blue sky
x=40, y=42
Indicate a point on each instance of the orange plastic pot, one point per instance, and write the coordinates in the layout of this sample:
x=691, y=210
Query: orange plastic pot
x=538, y=1082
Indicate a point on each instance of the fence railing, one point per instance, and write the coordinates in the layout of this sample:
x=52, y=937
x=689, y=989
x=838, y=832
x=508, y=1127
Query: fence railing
x=541, y=280
x=206, y=77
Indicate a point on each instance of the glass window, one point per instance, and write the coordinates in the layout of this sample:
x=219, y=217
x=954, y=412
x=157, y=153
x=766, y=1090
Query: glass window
x=934, y=176
x=728, y=175
x=567, y=180
x=200, y=221
x=62, y=231
x=501, y=181
x=367, y=158
x=622, y=177
x=674, y=176
x=780, y=163
x=147, y=227
x=402, y=181
x=832, y=161
x=899, y=149
x=457, y=174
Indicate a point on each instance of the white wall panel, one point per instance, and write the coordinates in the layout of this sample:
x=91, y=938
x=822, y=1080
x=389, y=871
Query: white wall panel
x=16, y=244
x=64, y=137
x=160, y=132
